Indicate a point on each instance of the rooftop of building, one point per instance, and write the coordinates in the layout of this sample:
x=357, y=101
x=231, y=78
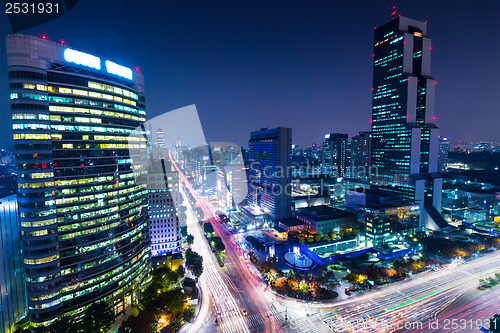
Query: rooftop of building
x=323, y=212
x=291, y=222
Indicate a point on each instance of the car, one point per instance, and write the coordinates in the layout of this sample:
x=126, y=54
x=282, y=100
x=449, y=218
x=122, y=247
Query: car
x=244, y=312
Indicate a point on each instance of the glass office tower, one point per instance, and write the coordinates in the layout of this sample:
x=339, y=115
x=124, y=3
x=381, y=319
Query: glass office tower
x=85, y=233
x=269, y=171
x=404, y=136
x=334, y=159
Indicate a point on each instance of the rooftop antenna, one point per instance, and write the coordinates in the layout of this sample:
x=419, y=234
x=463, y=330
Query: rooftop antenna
x=393, y=14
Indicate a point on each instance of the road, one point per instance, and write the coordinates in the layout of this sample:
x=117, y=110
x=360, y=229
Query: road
x=443, y=301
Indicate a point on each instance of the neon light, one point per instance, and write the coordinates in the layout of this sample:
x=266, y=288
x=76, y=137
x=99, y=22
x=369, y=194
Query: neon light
x=44, y=37
x=81, y=58
x=327, y=136
x=116, y=69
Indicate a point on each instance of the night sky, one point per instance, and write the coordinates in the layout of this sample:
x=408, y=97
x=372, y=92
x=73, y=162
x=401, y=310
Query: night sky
x=305, y=65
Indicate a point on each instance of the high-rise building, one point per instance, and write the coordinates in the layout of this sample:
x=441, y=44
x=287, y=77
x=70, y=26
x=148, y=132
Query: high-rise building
x=163, y=186
x=444, y=148
x=83, y=216
x=361, y=154
x=404, y=136
x=334, y=160
x=269, y=171
x=12, y=290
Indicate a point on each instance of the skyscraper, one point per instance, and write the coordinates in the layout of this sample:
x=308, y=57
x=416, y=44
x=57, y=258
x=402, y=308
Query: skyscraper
x=269, y=171
x=83, y=216
x=163, y=185
x=12, y=290
x=404, y=136
x=361, y=154
x=334, y=160
x=444, y=148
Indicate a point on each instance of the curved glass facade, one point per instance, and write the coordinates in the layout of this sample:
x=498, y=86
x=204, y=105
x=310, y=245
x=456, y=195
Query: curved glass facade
x=84, y=220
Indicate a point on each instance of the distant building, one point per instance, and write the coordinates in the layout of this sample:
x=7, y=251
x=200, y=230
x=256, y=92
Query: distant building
x=404, y=137
x=383, y=216
x=163, y=189
x=361, y=155
x=444, y=148
x=324, y=219
x=335, y=161
x=12, y=289
x=269, y=177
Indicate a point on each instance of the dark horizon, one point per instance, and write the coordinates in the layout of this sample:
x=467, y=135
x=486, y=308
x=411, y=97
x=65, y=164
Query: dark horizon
x=305, y=65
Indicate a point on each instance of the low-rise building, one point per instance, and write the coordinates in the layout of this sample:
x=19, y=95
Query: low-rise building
x=324, y=219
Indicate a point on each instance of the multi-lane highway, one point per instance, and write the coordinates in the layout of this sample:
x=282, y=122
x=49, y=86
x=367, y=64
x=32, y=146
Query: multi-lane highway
x=442, y=301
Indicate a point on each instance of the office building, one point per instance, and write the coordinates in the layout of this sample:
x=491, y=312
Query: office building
x=444, y=148
x=404, y=136
x=269, y=177
x=361, y=155
x=83, y=215
x=163, y=186
x=325, y=220
x=12, y=291
x=334, y=159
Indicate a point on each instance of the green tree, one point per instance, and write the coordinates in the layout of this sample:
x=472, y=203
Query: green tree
x=355, y=278
x=142, y=323
x=190, y=239
x=302, y=240
x=333, y=235
x=209, y=228
x=98, y=317
x=304, y=287
x=218, y=244
x=194, y=262
x=327, y=237
x=317, y=237
x=341, y=233
x=310, y=239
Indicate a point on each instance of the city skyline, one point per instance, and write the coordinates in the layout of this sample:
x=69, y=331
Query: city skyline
x=241, y=68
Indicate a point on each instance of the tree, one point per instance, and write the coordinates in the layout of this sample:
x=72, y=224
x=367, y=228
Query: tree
x=355, y=278
x=304, y=287
x=333, y=235
x=492, y=242
x=387, y=272
x=317, y=237
x=190, y=239
x=209, y=228
x=281, y=285
x=341, y=233
x=354, y=231
x=315, y=289
x=218, y=244
x=293, y=285
x=99, y=317
x=142, y=323
x=194, y=262
x=327, y=237
x=302, y=241
x=310, y=239
x=184, y=229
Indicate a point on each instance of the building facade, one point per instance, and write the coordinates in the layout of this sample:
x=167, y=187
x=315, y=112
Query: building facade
x=269, y=177
x=324, y=219
x=163, y=186
x=404, y=136
x=83, y=216
x=361, y=148
x=335, y=155
x=444, y=148
x=12, y=290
